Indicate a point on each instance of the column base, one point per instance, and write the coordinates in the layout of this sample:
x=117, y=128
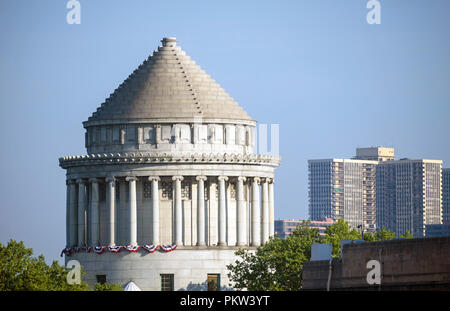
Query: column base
x=222, y=244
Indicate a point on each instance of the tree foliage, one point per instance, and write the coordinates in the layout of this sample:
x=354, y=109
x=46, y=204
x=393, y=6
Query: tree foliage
x=20, y=271
x=111, y=287
x=338, y=231
x=278, y=264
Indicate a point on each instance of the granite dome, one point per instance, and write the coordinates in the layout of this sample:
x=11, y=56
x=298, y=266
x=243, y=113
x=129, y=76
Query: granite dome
x=169, y=85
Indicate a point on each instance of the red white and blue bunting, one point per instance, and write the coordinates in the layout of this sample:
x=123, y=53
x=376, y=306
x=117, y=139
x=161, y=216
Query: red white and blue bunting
x=168, y=248
x=150, y=248
x=67, y=251
x=99, y=249
x=132, y=248
x=116, y=249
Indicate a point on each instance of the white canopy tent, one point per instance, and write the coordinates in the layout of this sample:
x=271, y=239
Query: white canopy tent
x=131, y=286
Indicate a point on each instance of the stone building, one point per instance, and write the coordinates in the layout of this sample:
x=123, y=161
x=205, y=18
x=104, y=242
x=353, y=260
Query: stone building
x=171, y=167
x=403, y=264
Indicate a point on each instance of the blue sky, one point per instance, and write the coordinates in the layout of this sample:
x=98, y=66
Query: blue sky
x=317, y=68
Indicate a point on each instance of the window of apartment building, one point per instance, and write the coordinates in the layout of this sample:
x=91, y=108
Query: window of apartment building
x=167, y=281
x=213, y=282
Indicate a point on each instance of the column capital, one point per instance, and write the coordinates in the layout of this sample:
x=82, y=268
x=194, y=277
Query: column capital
x=266, y=180
x=131, y=178
x=177, y=178
x=71, y=182
x=241, y=178
x=110, y=179
x=198, y=178
x=220, y=178
x=154, y=178
x=81, y=181
x=94, y=180
x=257, y=180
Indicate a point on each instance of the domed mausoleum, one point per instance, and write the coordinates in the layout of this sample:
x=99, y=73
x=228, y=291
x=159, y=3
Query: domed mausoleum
x=170, y=186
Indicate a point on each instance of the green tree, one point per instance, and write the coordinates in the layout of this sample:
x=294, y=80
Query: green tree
x=277, y=265
x=338, y=231
x=406, y=235
x=112, y=287
x=385, y=235
x=20, y=271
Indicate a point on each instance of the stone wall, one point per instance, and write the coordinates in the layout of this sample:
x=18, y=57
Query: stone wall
x=190, y=267
x=405, y=264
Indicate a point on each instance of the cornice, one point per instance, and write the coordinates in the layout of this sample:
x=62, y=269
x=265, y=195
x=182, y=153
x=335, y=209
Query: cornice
x=170, y=158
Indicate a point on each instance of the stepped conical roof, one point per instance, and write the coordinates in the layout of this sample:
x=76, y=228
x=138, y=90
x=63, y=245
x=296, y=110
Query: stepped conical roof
x=169, y=85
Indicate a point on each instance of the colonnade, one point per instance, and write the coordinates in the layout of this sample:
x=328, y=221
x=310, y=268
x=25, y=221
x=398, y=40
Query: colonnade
x=261, y=210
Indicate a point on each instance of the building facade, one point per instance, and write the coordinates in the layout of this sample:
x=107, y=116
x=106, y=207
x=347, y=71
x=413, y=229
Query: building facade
x=379, y=154
x=409, y=195
x=284, y=228
x=343, y=189
x=437, y=230
x=170, y=186
x=446, y=195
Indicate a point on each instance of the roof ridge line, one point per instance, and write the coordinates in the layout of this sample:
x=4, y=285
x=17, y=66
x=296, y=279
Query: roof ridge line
x=188, y=82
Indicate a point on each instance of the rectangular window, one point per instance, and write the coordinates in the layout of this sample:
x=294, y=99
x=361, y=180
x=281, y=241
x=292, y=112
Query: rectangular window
x=186, y=190
x=167, y=282
x=101, y=278
x=147, y=190
x=166, y=190
x=213, y=282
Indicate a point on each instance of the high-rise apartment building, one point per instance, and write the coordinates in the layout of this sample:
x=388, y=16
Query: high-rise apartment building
x=379, y=154
x=408, y=195
x=284, y=228
x=343, y=189
x=446, y=195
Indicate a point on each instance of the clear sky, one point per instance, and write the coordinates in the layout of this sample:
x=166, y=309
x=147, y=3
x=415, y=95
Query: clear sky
x=317, y=68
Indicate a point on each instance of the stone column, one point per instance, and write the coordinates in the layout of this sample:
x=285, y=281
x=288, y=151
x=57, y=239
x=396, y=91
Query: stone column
x=95, y=221
x=111, y=207
x=240, y=213
x=271, y=209
x=72, y=225
x=132, y=208
x=155, y=209
x=178, y=210
x=201, y=210
x=81, y=223
x=265, y=211
x=256, y=214
x=222, y=211
x=68, y=214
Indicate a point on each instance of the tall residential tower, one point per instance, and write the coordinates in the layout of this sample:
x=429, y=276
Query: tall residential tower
x=343, y=189
x=409, y=195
